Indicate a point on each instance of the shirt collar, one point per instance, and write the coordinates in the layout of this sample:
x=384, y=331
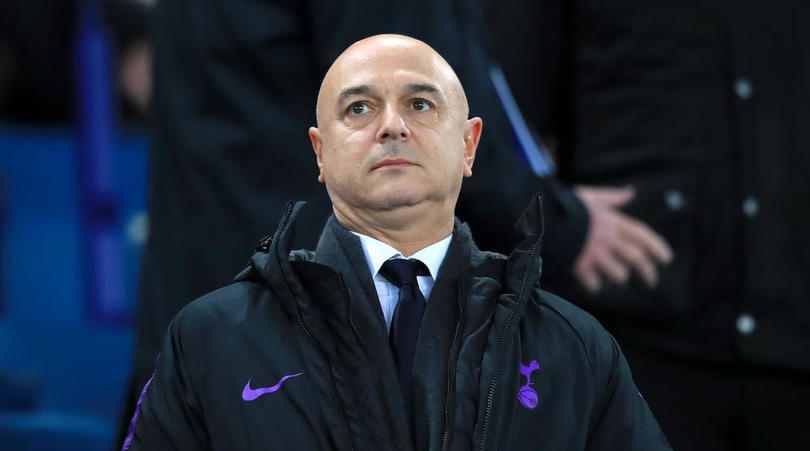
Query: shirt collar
x=378, y=253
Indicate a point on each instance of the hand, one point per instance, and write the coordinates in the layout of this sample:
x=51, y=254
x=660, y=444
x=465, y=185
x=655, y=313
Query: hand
x=617, y=244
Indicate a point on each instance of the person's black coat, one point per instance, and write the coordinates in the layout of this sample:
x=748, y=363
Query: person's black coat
x=314, y=318
x=702, y=106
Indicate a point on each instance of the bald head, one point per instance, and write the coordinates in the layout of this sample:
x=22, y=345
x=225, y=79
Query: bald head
x=396, y=53
x=393, y=141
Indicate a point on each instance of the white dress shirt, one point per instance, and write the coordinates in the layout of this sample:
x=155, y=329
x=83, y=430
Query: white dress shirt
x=378, y=253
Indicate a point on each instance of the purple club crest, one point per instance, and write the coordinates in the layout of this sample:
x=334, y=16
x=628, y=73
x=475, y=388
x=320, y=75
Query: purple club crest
x=526, y=395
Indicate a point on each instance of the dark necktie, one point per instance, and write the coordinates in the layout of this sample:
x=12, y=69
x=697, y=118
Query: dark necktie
x=407, y=316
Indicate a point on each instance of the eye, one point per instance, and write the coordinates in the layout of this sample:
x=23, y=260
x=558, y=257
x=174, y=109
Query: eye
x=421, y=105
x=358, y=108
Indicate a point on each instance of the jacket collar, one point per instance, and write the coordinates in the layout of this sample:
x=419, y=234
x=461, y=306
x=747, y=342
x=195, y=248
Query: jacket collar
x=337, y=244
x=521, y=284
x=340, y=251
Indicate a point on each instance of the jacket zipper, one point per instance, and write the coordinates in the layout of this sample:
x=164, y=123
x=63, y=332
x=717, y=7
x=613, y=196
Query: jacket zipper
x=299, y=319
x=450, y=372
x=508, y=324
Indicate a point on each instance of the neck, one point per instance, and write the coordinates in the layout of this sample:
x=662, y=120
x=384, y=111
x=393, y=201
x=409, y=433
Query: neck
x=406, y=229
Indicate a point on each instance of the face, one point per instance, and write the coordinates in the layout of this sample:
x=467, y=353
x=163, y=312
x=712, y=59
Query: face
x=392, y=128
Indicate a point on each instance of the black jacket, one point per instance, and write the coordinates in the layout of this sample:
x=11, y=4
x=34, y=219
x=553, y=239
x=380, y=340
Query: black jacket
x=315, y=316
x=704, y=107
x=235, y=90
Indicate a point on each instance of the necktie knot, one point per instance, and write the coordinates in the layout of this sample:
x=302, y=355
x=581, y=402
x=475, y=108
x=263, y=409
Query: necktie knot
x=400, y=271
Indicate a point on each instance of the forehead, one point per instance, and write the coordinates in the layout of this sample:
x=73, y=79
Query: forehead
x=391, y=67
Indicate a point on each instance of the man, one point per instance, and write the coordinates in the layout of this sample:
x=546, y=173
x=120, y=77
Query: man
x=702, y=107
x=477, y=355
x=234, y=86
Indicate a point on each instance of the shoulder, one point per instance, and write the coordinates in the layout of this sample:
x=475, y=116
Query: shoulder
x=567, y=313
x=222, y=308
x=575, y=344
x=556, y=316
x=222, y=300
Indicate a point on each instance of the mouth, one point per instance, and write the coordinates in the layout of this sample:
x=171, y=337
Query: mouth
x=393, y=163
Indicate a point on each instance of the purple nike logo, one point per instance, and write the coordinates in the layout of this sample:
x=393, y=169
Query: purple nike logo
x=249, y=394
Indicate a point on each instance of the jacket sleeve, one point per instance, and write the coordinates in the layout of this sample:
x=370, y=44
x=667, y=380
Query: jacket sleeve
x=621, y=419
x=168, y=414
x=529, y=42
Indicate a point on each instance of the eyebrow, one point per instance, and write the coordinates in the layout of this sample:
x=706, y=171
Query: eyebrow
x=421, y=87
x=353, y=91
x=411, y=88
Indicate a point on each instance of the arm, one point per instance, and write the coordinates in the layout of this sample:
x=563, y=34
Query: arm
x=621, y=419
x=168, y=413
x=587, y=234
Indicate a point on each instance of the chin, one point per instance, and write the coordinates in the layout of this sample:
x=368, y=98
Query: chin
x=398, y=199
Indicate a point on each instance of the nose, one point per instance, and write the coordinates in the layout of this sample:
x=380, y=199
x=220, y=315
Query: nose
x=392, y=126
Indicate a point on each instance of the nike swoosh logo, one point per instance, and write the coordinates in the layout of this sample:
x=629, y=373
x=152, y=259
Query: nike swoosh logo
x=249, y=394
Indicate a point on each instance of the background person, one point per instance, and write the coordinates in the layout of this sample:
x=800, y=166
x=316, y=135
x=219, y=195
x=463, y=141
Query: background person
x=702, y=108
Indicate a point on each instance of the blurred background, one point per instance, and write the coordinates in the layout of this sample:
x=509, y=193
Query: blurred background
x=74, y=89
x=147, y=145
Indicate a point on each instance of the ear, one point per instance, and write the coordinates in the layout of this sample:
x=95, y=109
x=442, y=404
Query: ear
x=472, y=134
x=317, y=146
